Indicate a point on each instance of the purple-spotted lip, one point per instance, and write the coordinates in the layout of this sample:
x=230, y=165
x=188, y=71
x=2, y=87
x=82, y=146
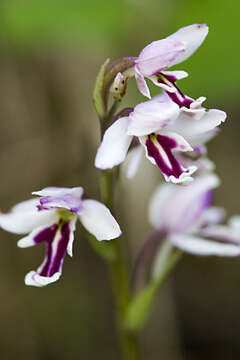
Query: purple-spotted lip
x=56, y=238
x=173, y=167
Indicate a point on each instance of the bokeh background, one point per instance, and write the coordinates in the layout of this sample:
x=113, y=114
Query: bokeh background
x=50, y=53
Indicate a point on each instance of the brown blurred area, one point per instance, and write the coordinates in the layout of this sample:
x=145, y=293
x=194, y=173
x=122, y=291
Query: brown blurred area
x=49, y=134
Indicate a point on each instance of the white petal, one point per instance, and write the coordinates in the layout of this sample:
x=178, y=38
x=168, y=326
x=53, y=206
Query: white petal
x=212, y=216
x=23, y=222
x=98, y=220
x=28, y=241
x=58, y=191
x=158, y=204
x=180, y=208
x=72, y=225
x=190, y=127
x=34, y=279
x=199, y=246
x=114, y=146
x=141, y=84
x=134, y=160
x=225, y=233
x=151, y=116
x=234, y=223
x=176, y=74
x=198, y=141
x=197, y=104
x=26, y=206
x=169, y=88
x=173, y=75
x=192, y=37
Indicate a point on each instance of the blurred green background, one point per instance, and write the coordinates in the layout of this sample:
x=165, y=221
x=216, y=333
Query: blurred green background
x=50, y=53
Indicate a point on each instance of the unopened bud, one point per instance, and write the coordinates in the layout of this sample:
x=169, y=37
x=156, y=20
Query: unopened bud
x=119, y=86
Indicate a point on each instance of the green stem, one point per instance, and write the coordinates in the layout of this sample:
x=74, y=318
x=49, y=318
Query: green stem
x=119, y=274
x=141, y=306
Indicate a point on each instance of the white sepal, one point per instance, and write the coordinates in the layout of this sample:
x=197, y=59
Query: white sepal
x=98, y=220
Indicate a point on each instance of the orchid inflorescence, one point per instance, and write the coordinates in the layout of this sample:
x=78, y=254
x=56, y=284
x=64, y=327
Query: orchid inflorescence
x=172, y=129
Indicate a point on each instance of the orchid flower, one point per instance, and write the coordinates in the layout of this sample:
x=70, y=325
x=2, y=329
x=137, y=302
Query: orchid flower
x=51, y=219
x=158, y=56
x=164, y=130
x=185, y=216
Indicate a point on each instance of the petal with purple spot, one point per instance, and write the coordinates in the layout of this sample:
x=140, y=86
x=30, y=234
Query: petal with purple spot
x=160, y=151
x=57, y=238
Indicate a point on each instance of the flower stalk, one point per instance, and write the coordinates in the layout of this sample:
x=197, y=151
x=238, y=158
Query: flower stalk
x=119, y=274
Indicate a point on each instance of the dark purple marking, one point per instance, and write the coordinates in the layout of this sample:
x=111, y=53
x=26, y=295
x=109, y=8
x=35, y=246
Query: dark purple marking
x=51, y=264
x=178, y=97
x=46, y=234
x=168, y=144
x=61, y=250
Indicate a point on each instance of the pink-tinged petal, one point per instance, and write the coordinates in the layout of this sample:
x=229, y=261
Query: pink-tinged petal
x=191, y=128
x=60, y=198
x=198, y=246
x=158, y=56
x=114, y=146
x=179, y=208
x=98, y=220
x=226, y=233
x=57, y=238
x=152, y=116
x=212, y=216
x=160, y=151
x=141, y=84
x=198, y=141
x=134, y=160
x=25, y=217
x=192, y=37
x=159, y=203
x=203, y=164
x=59, y=191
